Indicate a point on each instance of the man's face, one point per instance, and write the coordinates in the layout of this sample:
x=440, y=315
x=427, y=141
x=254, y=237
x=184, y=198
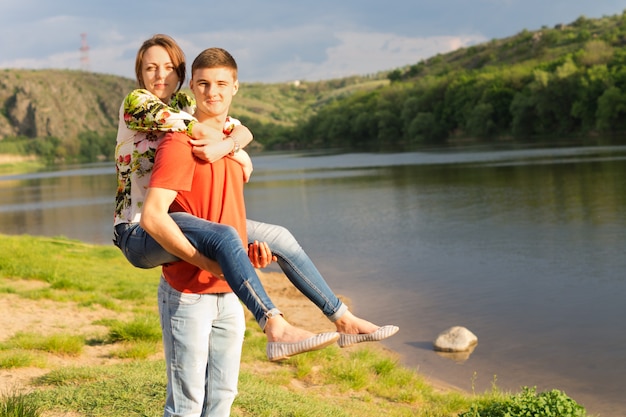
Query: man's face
x=214, y=89
x=159, y=73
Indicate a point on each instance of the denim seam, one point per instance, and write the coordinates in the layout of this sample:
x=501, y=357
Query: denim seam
x=263, y=320
x=310, y=284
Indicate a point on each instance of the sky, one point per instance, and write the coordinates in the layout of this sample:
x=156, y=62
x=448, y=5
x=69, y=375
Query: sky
x=272, y=40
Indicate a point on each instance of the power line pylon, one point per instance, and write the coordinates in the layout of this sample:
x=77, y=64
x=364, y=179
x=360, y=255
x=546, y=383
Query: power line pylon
x=84, y=52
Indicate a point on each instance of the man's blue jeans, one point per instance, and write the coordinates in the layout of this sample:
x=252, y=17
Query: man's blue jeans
x=202, y=339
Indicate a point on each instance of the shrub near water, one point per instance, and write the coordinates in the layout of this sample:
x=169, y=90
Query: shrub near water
x=553, y=403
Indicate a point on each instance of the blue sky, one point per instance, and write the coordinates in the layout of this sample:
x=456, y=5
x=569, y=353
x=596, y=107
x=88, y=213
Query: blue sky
x=272, y=40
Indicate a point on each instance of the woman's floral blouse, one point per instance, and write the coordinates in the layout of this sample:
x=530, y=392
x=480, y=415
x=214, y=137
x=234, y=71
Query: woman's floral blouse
x=144, y=120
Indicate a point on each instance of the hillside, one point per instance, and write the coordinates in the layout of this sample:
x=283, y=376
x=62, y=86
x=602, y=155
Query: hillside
x=529, y=48
x=565, y=84
x=556, y=81
x=64, y=103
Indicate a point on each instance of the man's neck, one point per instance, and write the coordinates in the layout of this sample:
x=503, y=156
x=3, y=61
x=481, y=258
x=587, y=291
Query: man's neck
x=216, y=121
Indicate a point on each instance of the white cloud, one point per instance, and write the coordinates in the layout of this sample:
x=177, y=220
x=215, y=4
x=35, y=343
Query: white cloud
x=273, y=56
x=363, y=53
x=275, y=41
x=312, y=52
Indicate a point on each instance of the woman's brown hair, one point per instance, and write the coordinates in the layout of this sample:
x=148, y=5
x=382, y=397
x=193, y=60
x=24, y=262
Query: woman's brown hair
x=174, y=51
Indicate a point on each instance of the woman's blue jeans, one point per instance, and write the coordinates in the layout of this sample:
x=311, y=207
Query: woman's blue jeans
x=145, y=252
x=297, y=266
x=216, y=241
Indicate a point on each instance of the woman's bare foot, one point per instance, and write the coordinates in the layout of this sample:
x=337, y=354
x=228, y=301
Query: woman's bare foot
x=351, y=324
x=278, y=329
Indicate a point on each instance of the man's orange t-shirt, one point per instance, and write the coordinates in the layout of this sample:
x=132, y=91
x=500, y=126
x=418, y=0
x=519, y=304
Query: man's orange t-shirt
x=211, y=191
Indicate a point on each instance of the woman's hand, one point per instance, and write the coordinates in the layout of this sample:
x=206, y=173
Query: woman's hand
x=244, y=160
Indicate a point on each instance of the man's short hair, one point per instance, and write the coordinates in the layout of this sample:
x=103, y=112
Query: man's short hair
x=215, y=58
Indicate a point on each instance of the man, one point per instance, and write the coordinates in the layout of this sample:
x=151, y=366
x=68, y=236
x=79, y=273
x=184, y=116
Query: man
x=202, y=319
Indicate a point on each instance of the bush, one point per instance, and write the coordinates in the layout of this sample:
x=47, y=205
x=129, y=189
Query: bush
x=553, y=403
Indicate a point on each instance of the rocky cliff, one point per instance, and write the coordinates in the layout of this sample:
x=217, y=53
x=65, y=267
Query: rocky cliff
x=60, y=103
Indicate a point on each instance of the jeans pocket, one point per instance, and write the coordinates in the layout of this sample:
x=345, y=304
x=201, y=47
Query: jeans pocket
x=188, y=299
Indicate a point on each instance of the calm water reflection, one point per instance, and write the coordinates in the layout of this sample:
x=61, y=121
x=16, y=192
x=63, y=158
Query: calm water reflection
x=525, y=248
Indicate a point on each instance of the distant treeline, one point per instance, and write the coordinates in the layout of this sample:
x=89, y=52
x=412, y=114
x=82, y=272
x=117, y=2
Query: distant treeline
x=86, y=147
x=567, y=81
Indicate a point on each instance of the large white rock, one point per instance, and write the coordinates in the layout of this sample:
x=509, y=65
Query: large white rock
x=455, y=339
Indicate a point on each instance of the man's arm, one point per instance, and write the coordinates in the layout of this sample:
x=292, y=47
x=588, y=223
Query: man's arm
x=157, y=222
x=211, y=150
x=145, y=112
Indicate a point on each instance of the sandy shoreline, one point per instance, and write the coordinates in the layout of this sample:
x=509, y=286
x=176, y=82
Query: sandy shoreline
x=301, y=312
x=47, y=317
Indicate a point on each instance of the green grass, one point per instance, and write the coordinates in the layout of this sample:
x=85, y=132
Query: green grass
x=58, y=344
x=17, y=405
x=17, y=358
x=364, y=381
x=141, y=328
x=74, y=271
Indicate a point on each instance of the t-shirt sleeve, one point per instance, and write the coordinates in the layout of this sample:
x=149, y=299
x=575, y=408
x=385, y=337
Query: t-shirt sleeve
x=230, y=124
x=174, y=163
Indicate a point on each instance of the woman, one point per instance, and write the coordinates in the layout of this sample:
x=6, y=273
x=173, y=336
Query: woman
x=159, y=108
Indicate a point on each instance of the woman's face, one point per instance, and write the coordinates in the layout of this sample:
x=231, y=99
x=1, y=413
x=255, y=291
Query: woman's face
x=159, y=73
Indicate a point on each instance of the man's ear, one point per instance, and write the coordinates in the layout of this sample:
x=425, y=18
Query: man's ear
x=235, y=87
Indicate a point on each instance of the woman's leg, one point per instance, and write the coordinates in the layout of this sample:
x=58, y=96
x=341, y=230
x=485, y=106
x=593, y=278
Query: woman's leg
x=297, y=266
x=222, y=243
x=301, y=271
x=216, y=241
x=139, y=248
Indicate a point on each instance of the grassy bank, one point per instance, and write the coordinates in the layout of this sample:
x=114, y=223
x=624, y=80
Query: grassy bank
x=18, y=164
x=81, y=324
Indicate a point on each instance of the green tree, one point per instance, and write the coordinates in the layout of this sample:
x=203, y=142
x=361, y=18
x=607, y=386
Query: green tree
x=425, y=129
x=593, y=83
x=480, y=122
x=523, y=115
x=611, y=114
